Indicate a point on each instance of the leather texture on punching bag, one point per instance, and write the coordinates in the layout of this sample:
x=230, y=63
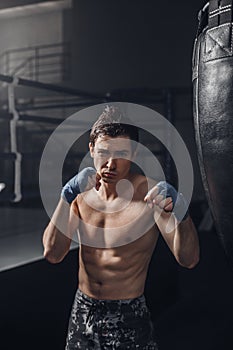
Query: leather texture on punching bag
x=213, y=113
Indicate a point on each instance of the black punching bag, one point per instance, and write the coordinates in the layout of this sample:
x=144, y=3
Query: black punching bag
x=213, y=113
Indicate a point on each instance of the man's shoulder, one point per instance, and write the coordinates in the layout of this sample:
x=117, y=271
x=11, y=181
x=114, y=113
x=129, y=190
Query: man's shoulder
x=84, y=196
x=83, y=201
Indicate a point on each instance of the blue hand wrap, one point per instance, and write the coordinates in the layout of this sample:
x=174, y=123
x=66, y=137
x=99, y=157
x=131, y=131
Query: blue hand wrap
x=180, y=206
x=77, y=184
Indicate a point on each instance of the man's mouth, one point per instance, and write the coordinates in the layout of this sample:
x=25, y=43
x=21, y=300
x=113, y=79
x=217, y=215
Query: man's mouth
x=109, y=174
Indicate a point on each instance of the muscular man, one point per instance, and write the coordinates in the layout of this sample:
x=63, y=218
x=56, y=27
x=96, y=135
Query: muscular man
x=119, y=222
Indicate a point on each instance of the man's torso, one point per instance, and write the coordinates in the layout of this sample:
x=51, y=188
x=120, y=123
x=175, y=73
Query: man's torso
x=117, y=240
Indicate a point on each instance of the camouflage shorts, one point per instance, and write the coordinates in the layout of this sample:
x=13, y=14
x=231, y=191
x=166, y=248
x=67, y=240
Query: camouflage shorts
x=110, y=324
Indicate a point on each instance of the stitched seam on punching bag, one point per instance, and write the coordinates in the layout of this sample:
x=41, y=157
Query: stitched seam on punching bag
x=194, y=65
x=217, y=43
x=219, y=13
x=197, y=122
x=231, y=39
x=228, y=53
x=220, y=9
x=221, y=25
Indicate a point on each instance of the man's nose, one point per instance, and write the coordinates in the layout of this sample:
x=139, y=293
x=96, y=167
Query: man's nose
x=111, y=163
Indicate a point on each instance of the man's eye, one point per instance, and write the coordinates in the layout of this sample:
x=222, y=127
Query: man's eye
x=122, y=154
x=104, y=153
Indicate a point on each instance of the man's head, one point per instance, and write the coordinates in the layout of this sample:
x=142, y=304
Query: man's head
x=112, y=123
x=113, y=142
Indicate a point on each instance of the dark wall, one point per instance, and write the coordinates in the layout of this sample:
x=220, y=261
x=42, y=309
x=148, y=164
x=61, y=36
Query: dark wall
x=119, y=44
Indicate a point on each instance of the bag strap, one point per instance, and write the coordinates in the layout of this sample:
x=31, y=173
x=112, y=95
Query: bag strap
x=220, y=12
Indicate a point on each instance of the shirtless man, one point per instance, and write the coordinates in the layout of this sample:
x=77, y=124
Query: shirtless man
x=119, y=222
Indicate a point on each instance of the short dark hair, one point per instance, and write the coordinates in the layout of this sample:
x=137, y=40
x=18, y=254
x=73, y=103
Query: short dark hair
x=113, y=123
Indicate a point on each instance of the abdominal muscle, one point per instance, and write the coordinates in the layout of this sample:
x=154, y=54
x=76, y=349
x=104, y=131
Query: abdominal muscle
x=116, y=273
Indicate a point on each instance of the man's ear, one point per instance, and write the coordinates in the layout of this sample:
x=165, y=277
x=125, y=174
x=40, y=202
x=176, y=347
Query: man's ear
x=91, y=148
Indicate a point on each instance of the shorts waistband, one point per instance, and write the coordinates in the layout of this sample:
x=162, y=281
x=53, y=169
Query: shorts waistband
x=80, y=294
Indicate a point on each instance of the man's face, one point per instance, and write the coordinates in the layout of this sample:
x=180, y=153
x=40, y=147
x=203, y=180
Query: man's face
x=112, y=157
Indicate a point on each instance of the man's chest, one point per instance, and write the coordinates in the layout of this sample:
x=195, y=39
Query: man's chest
x=113, y=214
x=115, y=225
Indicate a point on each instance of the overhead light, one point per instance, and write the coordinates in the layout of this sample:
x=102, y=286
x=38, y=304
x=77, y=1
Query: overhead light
x=37, y=8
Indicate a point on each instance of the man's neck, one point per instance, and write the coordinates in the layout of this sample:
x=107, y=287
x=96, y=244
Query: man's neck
x=107, y=191
x=123, y=189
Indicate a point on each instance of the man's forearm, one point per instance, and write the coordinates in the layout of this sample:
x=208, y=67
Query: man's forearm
x=57, y=235
x=55, y=239
x=174, y=223
x=186, y=243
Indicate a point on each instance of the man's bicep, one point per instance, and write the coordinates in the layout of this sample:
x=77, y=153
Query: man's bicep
x=73, y=218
